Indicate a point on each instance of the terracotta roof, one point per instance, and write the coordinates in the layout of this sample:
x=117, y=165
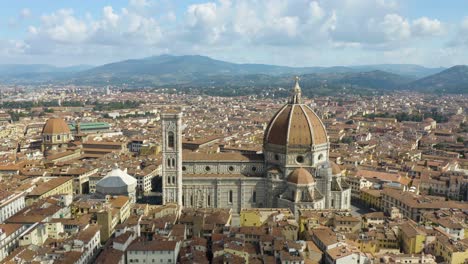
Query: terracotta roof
x=10, y=228
x=56, y=126
x=45, y=186
x=296, y=124
x=152, y=246
x=300, y=176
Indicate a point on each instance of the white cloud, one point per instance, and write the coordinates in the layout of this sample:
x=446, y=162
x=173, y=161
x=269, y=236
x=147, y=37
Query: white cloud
x=317, y=13
x=110, y=16
x=395, y=27
x=426, y=27
x=62, y=26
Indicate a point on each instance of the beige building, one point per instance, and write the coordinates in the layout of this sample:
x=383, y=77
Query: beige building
x=48, y=186
x=10, y=204
x=153, y=252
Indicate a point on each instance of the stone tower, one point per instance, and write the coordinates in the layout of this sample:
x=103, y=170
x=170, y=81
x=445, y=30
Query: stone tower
x=172, y=157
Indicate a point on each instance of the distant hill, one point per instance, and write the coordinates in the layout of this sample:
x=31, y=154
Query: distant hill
x=201, y=70
x=181, y=69
x=30, y=73
x=189, y=72
x=410, y=70
x=451, y=80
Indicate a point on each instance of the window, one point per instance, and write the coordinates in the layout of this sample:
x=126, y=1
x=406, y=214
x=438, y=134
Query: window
x=254, y=196
x=231, y=168
x=276, y=157
x=320, y=157
x=254, y=169
x=191, y=200
x=169, y=163
x=184, y=168
x=300, y=159
x=207, y=168
x=170, y=139
x=173, y=162
x=209, y=200
x=230, y=196
x=183, y=202
x=332, y=203
x=47, y=137
x=58, y=137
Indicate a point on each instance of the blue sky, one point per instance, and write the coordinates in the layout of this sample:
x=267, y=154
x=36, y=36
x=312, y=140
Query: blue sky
x=295, y=32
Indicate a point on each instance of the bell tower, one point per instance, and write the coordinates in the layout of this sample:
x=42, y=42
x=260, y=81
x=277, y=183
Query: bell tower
x=172, y=157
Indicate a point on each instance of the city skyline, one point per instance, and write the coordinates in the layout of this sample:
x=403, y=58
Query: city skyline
x=292, y=33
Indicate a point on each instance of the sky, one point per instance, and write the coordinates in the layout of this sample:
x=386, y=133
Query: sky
x=432, y=33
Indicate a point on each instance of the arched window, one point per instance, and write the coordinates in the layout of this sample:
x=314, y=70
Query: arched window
x=173, y=162
x=58, y=137
x=170, y=140
x=209, y=200
x=191, y=200
x=183, y=200
x=169, y=163
x=254, y=197
x=230, y=196
x=320, y=157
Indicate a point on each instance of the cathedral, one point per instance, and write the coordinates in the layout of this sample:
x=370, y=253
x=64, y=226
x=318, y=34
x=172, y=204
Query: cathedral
x=293, y=171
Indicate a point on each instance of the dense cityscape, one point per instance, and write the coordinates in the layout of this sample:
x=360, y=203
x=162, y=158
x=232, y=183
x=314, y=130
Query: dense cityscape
x=234, y=131
x=84, y=175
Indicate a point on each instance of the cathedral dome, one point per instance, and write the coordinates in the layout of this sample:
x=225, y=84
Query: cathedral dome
x=300, y=176
x=295, y=124
x=55, y=126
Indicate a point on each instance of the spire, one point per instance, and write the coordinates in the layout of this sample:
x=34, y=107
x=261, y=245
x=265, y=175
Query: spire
x=296, y=93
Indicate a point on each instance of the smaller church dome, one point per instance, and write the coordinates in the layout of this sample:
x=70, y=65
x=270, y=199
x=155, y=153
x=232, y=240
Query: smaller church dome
x=56, y=126
x=335, y=168
x=300, y=176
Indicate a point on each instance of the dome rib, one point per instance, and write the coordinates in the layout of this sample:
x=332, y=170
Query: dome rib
x=309, y=124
